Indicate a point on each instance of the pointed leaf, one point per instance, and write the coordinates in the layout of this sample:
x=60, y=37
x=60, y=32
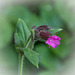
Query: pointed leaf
x=22, y=33
x=53, y=31
x=32, y=56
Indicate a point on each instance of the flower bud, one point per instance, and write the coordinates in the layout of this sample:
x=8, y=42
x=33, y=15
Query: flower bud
x=44, y=35
x=43, y=27
x=41, y=32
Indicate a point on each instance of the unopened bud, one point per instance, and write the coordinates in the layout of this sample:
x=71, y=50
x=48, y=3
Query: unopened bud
x=41, y=32
x=44, y=35
x=43, y=27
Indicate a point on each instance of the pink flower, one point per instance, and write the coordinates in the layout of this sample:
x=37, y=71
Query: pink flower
x=53, y=41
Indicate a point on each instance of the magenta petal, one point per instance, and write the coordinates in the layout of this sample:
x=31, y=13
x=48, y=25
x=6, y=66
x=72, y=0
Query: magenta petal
x=47, y=42
x=57, y=42
x=56, y=37
x=53, y=45
x=53, y=41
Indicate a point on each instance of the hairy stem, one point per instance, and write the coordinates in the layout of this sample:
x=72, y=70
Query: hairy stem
x=21, y=57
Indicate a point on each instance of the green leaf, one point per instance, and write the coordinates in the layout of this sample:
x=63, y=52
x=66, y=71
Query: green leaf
x=32, y=56
x=22, y=33
x=53, y=31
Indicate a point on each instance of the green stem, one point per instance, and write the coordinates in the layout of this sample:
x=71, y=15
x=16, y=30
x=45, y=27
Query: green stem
x=21, y=57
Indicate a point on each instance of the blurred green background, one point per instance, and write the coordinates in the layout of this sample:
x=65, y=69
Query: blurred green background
x=52, y=13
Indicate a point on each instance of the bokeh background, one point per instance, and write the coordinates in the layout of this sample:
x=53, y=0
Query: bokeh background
x=55, y=13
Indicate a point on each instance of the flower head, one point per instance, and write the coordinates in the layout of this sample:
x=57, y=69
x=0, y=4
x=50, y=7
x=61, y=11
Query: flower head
x=42, y=33
x=53, y=41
